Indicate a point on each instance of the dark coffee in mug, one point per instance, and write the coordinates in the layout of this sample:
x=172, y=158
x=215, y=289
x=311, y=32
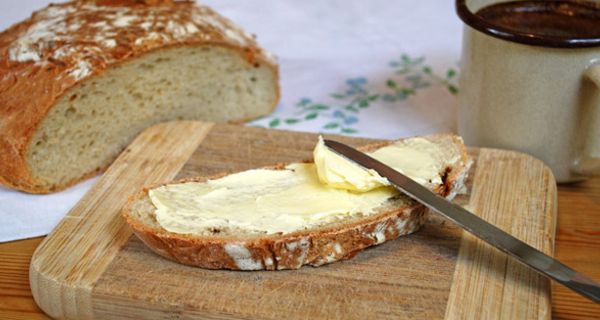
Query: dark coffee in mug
x=570, y=19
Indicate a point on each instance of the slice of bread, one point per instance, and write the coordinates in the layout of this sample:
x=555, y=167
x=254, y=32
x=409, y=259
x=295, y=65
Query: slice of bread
x=81, y=79
x=237, y=249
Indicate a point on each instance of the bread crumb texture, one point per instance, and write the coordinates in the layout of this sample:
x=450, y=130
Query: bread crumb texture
x=100, y=117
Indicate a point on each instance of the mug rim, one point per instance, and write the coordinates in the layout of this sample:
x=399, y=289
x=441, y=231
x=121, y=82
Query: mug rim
x=480, y=24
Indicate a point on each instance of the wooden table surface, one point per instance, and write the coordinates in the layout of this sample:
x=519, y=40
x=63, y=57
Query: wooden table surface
x=577, y=244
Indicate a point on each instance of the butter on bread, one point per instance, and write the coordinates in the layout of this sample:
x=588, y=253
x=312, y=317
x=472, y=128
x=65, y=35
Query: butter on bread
x=249, y=244
x=79, y=80
x=420, y=160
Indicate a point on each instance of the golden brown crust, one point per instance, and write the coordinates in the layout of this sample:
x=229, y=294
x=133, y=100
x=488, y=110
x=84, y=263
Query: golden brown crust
x=76, y=41
x=314, y=247
x=131, y=2
x=280, y=252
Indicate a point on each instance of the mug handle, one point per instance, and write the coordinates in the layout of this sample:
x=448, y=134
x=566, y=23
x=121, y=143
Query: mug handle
x=589, y=161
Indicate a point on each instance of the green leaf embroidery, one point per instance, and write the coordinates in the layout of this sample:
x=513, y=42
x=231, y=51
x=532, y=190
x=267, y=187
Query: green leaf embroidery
x=274, y=123
x=351, y=108
x=320, y=107
x=331, y=125
x=417, y=76
x=453, y=89
x=410, y=76
x=451, y=73
x=407, y=91
x=311, y=116
x=349, y=130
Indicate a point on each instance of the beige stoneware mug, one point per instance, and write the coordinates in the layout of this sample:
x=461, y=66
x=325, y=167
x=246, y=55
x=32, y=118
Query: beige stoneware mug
x=533, y=93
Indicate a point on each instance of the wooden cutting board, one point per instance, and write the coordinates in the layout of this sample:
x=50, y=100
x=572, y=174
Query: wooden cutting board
x=91, y=267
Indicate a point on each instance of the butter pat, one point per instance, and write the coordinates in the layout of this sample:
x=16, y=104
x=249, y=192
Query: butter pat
x=300, y=196
x=417, y=158
x=338, y=172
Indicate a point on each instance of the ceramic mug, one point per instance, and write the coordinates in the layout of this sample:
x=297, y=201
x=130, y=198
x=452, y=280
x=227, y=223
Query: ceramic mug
x=535, y=94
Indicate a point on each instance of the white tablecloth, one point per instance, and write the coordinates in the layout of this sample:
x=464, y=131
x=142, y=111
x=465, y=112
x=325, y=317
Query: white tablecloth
x=366, y=68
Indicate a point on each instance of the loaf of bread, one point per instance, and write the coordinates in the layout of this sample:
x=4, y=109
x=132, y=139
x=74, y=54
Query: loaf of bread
x=218, y=245
x=79, y=80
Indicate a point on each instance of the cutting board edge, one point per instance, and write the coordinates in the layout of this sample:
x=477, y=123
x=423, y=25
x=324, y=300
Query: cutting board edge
x=471, y=246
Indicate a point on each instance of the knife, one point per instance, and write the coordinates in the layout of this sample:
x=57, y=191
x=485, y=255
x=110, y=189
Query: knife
x=485, y=231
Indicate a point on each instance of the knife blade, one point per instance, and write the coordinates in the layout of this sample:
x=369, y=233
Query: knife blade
x=480, y=228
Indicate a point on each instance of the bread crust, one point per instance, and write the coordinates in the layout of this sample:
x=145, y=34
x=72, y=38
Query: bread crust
x=315, y=247
x=30, y=88
x=289, y=251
